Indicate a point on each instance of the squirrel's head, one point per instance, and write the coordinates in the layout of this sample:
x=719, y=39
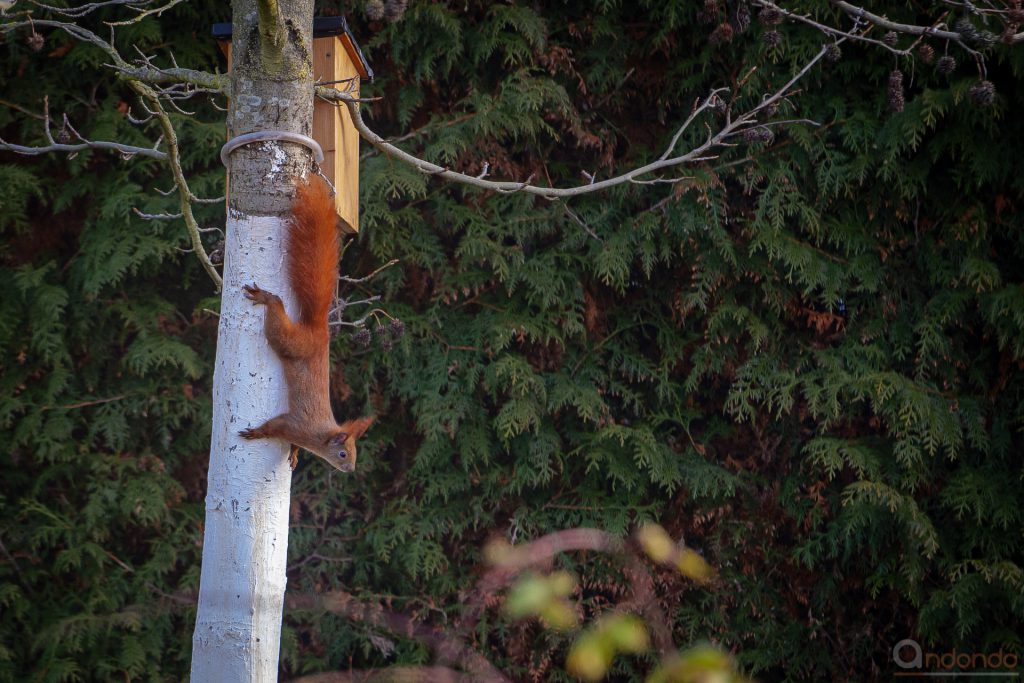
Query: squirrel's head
x=338, y=452
x=340, y=448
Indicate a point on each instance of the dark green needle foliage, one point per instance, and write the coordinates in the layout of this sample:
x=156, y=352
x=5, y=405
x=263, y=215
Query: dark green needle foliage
x=803, y=356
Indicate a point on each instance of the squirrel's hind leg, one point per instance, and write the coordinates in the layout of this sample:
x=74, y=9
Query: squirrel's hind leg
x=279, y=427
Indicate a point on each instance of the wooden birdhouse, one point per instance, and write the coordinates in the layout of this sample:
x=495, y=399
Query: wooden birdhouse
x=339, y=63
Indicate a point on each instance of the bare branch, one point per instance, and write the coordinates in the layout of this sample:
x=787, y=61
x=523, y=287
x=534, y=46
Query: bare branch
x=853, y=34
x=713, y=141
x=23, y=110
x=156, y=216
x=126, y=151
x=355, y=280
x=579, y=221
x=82, y=10
x=142, y=15
x=149, y=73
x=334, y=315
x=206, y=200
x=708, y=102
x=859, y=14
x=73, y=30
x=170, y=101
x=911, y=29
x=136, y=121
x=150, y=102
x=185, y=195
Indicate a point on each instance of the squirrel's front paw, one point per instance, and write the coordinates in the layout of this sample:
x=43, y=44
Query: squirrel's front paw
x=251, y=433
x=254, y=293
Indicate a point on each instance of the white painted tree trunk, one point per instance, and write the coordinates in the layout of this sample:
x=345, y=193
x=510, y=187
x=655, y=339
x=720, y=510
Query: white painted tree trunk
x=237, y=638
x=241, y=593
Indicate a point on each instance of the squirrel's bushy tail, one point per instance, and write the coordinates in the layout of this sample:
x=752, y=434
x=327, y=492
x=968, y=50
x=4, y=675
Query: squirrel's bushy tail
x=313, y=246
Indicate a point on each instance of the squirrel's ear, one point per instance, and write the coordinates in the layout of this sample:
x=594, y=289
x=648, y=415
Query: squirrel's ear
x=356, y=428
x=338, y=439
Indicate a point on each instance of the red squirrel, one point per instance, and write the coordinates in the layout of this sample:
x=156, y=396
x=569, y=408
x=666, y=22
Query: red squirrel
x=312, y=262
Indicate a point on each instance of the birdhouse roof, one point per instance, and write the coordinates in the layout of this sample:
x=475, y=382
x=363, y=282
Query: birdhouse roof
x=322, y=28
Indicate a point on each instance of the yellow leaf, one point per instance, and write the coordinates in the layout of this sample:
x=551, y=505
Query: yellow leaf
x=589, y=658
x=693, y=565
x=656, y=542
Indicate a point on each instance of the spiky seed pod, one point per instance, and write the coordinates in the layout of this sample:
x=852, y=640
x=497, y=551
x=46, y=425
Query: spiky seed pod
x=772, y=38
x=35, y=42
x=396, y=329
x=753, y=135
x=926, y=53
x=374, y=10
x=891, y=38
x=982, y=93
x=833, y=53
x=965, y=28
x=770, y=16
x=946, y=65
x=64, y=137
x=896, y=100
x=395, y=9
x=971, y=34
x=709, y=14
x=362, y=337
x=386, y=344
x=721, y=34
x=772, y=109
x=741, y=21
x=1015, y=15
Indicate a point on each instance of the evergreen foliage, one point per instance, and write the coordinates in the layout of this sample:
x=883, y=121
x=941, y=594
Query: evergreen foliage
x=805, y=358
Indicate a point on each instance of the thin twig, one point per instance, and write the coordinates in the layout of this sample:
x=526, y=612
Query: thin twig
x=579, y=221
x=84, y=404
x=82, y=10
x=356, y=280
x=142, y=15
x=156, y=216
x=23, y=110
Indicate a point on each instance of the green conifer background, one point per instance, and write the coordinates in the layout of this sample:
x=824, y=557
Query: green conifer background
x=804, y=359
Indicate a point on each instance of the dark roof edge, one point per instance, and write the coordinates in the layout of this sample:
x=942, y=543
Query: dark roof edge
x=322, y=28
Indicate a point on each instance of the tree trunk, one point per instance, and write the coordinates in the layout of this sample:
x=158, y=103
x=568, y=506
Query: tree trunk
x=241, y=592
